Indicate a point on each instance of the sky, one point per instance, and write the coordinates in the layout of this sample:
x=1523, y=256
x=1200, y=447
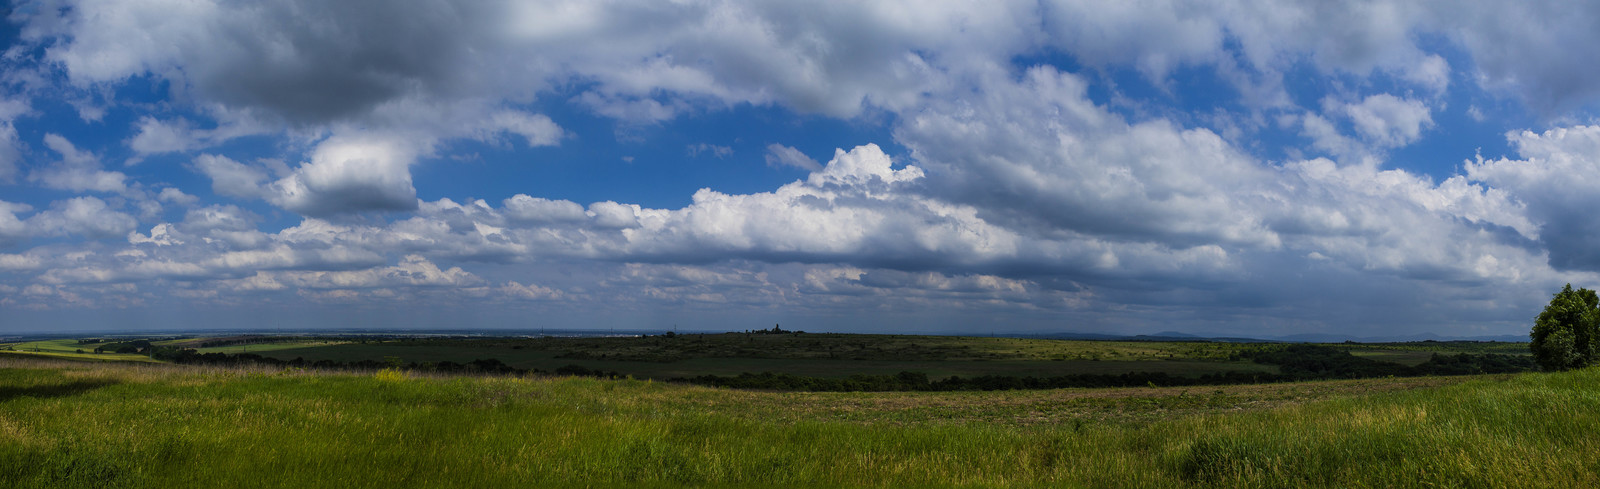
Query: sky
x=1234, y=167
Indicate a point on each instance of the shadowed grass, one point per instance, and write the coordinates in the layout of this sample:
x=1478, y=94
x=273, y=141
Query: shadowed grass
x=170, y=426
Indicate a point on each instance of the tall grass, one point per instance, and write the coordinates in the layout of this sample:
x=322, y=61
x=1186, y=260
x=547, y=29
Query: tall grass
x=67, y=425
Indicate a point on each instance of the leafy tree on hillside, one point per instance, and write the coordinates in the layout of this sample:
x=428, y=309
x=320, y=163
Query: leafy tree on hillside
x=1567, y=334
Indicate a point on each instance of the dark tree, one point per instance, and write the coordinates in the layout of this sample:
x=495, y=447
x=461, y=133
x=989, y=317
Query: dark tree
x=1567, y=334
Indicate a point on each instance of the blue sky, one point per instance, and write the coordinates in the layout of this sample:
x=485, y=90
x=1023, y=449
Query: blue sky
x=1233, y=167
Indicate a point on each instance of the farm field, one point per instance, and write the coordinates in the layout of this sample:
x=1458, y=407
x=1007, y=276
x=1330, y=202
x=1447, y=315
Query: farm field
x=840, y=355
x=1414, y=353
x=687, y=367
x=824, y=362
x=67, y=424
x=70, y=349
x=84, y=349
x=269, y=347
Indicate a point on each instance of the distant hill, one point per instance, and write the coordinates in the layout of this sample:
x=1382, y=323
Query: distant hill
x=1174, y=334
x=1296, y=338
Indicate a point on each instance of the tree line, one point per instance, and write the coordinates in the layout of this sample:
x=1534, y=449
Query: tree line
x=1294, y=362
x=480, y=366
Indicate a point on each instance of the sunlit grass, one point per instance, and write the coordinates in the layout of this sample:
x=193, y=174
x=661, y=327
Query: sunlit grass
x=89, y=425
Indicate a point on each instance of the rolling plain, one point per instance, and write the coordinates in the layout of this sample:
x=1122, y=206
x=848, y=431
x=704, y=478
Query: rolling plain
x=65, y=422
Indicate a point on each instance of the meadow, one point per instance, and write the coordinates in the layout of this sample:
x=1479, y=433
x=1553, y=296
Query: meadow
x=80, y=424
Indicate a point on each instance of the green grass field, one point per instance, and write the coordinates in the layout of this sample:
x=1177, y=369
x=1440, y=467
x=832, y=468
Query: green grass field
x=102, y=425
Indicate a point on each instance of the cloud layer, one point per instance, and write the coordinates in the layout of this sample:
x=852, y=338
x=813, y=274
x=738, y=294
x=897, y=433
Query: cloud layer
x=1061, y=165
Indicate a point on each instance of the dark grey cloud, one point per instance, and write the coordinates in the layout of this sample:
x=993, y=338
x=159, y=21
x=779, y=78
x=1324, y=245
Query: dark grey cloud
x=307, y=62
x=1527, y=49
x=1556, y=179
x=380, y=62
x=315, y=62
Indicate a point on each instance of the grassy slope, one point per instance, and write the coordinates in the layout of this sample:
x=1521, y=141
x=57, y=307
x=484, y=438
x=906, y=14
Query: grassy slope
x=66, y=425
